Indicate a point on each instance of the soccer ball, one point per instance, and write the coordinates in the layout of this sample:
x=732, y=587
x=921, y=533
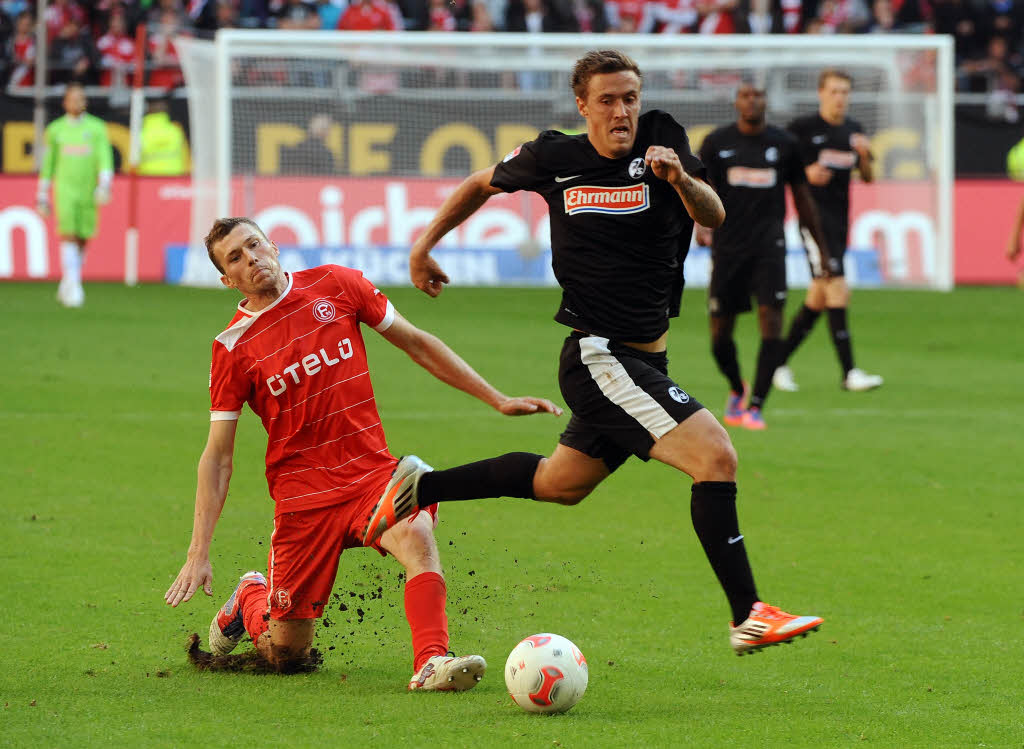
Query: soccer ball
x=546, y=673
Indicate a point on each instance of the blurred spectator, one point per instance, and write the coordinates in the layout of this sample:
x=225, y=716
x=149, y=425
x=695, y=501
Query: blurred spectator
x=995, y=74
x=883, y=20
x=226, y=15
x=555, y=16
x=14, y=8
x=627, y=16
x=774, y=17
x=591, y=16
x=671, y=17
x=59, y=13
x=20, y=51
x=298, y=15
x=330, y=13
x=717, y=16
x=959, y=19
x=1002, y=18
x=912, y=15
x=158, y=8
x=117, y=52
x=371, y=15
x=841, y=17
x=441, y=18
x=482, y=20
x=72, y=55
x=165, y=71
x=163, y=150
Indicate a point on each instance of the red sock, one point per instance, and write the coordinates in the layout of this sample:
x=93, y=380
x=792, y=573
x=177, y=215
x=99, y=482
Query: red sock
x=253, y=599
x=425, y=598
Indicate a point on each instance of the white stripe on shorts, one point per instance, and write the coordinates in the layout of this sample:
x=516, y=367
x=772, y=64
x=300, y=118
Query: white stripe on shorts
x=814, y=256
x=618, y=387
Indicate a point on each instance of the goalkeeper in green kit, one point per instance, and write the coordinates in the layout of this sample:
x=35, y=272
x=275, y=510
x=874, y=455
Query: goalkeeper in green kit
x=79, y=163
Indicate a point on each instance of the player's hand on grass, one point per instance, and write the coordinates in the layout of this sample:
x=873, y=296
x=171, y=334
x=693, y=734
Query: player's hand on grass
x=194, y=575
x=527, y=405
x=818, y=175
x=426, y=274
x=664, y=162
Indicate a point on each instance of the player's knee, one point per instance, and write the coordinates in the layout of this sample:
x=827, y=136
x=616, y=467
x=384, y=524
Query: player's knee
x=547, y=490
x=718, y=460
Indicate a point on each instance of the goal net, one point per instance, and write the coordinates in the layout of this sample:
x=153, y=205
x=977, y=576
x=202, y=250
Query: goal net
x=342, y=146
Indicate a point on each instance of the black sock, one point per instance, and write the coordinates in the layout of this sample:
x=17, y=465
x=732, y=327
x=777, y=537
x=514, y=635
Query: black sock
x=841, y=337
x=768, y=358
x=799, y=329
x=724, y=351
x=509, y=475
x=713, y=510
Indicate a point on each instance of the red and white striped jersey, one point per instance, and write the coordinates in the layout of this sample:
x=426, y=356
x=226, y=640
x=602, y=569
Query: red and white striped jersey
x=301, y=366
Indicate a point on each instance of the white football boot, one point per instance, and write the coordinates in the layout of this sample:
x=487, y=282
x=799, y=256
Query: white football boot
x=859, y=380
x=449, y=673
x=783, y=380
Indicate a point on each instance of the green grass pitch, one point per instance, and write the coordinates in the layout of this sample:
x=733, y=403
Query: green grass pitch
x=895, y=514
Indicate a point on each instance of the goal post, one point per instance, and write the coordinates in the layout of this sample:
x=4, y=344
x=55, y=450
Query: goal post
x=344, y=144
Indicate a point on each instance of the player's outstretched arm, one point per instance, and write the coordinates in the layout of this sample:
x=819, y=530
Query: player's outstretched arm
x=807, y=211
x=474, y=191
x=699, y=198
x=431, y=353
x=214, y=477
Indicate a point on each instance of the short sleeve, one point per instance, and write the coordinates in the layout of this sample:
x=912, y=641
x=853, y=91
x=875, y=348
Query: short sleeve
x=805, y=150
x=372, y=307
x=707, y=152
x=229, y=387
x=521, y=169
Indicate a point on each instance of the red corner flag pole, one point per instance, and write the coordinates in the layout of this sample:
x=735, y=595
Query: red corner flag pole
x=138, y=101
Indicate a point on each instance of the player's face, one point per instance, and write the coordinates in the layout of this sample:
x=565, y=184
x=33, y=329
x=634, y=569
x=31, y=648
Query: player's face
x=750, y=104
x=74, y=101
x=249, y=261
x=611, y=109
x=834, y=97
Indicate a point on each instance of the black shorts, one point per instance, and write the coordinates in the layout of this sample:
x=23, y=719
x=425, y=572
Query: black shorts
x=622, y=399
x=837, y=235
x=736, y=277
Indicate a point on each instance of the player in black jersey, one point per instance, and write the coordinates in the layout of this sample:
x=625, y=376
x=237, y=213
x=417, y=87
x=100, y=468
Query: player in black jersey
x=749, y=163
x=622, y=200
x=832, y=145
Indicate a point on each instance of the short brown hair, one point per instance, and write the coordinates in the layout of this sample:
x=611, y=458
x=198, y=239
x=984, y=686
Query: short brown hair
x=833, y=73
x=221, y=228
x=597, y=62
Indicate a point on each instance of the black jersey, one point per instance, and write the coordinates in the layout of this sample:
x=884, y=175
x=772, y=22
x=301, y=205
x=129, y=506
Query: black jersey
x=750, y=174
x=830, y=145
x=619, y=234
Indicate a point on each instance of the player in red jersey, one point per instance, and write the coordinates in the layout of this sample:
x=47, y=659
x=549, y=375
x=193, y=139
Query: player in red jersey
x=295, y=353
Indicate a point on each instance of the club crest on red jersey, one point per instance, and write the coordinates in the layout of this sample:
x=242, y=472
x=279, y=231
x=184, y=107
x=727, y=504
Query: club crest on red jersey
x=594, y=199
x=323, y=310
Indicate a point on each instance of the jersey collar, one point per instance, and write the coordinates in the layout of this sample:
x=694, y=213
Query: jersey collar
x=254, y=315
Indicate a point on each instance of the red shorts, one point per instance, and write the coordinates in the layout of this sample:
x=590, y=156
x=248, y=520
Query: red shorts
x=306, y=547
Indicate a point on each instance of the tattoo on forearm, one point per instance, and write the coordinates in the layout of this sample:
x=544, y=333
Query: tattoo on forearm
x=702, y=199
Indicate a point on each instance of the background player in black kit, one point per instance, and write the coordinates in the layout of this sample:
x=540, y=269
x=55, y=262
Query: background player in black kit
x=832, y=145
x=749, y=163
x=622, y=199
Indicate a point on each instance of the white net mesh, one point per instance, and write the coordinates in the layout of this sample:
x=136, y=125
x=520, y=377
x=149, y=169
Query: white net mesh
x=305, y=128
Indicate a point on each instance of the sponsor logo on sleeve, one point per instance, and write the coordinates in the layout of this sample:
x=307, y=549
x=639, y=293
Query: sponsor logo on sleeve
x=614, y=200
x=512, y=154
x=744, y=176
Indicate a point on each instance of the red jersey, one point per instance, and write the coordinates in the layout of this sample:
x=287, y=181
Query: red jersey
x=375, y=16
x=301, y=366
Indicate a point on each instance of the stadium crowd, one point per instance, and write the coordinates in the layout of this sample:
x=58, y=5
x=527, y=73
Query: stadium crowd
x=93, y=42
